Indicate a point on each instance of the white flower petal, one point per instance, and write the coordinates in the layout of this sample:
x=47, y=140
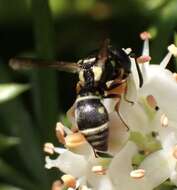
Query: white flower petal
x=121, y=166
x=110, y=104
x=173, y=177
x=69, y=163
x=104, y=183
x=100, y=182
x=169, y=142
x=156, y=168
x=118, y=134
x=134, y=116
x=162, y=86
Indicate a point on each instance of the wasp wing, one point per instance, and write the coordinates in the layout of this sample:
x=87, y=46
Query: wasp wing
x=28, y=63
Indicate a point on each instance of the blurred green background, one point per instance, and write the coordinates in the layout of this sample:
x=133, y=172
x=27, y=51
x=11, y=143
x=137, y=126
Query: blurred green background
x=64, y=30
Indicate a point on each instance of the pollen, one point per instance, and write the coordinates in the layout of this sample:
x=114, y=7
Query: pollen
x=74, y=140
x=145, y=35
x=99, y=170
x=60, y=133
x=143, y=59
x=49, y=148
x=175, y=152
x=137, y=174
x=69, y=181
x=173, y=50
x=164, y=120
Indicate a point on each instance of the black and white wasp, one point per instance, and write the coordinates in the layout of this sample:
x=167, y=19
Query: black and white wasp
x=99, y=73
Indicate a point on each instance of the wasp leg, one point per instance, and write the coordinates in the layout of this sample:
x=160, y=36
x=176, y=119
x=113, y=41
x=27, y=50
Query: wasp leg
x=117, y=110
x=125, y=97
x=112, y=96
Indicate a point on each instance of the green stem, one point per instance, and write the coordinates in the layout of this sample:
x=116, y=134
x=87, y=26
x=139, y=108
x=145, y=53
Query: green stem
x=44, y=81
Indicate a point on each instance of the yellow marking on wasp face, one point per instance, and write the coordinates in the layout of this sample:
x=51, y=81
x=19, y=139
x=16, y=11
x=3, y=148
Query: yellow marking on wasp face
x=97, y=72
x=101, y=110
x=81, y=76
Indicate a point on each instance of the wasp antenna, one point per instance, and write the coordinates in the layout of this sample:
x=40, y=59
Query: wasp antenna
x=103, y=53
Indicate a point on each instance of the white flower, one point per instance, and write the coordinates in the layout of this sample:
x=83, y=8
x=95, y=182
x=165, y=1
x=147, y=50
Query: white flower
x=152, y=124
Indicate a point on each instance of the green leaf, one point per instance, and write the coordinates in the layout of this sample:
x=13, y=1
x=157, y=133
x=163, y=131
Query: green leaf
x=8, y=187
x=11, y=90
x=6, y=142
x=14, y=177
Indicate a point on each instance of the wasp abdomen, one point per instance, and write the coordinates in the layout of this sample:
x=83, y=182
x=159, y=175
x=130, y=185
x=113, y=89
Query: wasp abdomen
x=92, y=119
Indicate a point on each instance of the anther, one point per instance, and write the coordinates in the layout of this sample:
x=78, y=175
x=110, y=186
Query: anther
x=128, y=50
x=57, y=185
x=60, y=132
x=145, y=35
x=175, y=152
x=69, y=181
x=152, y=102
x=143, y=59
x=75, y=140
x=99, y=170
x=164, y=120
x=137, y=174
x=173, y=50
x=49, y=148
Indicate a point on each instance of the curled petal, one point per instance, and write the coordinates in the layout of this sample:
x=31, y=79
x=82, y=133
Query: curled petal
x=69, y=163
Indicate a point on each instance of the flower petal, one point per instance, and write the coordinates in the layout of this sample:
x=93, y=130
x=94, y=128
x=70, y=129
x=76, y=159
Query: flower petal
x=156, y=168
x=69, y=163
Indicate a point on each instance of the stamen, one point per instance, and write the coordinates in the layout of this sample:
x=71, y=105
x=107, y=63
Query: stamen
x=173, y=50
x=145, y=36
x=137, y=174
x=152, y=102
x=166, y=60
x=60, y=133
x=75, y=140
x=57, y=185
x=175, y=152
x=99, y=170
x=69, y=181
x=164, y=120
x=49, y=148
x=143, y=59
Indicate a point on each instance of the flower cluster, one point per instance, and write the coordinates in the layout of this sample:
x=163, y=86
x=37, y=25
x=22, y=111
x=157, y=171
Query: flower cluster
x=141, y=158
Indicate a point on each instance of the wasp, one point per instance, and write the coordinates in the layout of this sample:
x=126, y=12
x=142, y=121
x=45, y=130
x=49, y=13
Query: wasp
x=100, y=72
